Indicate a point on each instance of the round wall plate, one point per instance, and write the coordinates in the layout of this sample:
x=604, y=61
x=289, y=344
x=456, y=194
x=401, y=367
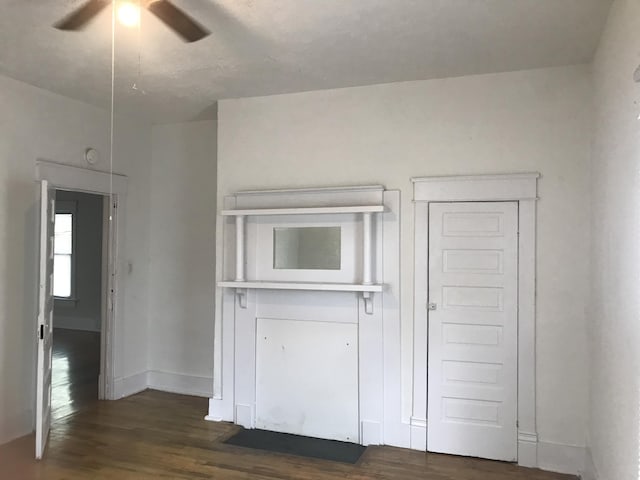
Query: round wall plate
x=91, y=156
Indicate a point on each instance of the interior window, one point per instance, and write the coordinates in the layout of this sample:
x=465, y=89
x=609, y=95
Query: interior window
x=63, y=255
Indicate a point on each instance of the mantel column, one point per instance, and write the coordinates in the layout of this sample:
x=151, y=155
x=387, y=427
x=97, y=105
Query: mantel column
x=240, y=223
x=367, y=260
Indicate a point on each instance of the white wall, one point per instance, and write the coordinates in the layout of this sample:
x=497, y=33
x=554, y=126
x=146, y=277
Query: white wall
x=182, y=252
x=513, y=122
x=84, y=311
x=35, y=124
x=615, y=307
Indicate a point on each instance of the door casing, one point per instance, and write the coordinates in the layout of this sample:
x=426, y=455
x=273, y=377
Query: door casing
x=521, y=188
x=114, y=189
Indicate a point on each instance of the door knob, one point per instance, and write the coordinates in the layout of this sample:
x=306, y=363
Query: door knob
x=432, y=306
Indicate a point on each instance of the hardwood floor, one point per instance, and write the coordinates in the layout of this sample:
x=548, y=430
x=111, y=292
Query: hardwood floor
x=155, y=435
x=76, y=367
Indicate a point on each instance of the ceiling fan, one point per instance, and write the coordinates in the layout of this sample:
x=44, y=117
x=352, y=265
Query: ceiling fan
x=174, y=18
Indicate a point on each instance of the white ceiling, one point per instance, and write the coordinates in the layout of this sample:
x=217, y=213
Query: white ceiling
x=261, y=47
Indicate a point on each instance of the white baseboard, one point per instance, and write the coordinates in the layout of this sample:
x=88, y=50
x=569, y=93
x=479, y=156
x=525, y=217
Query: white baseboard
x=219, y=411
x=245, y=416
x=527, y=449
x=370, y=433
x=397, y=434
x=589, y=472
x=556, y=457
x=180, y=383
x=165, y=382
x=14, y=426
x=419, y=434
x=125, y=386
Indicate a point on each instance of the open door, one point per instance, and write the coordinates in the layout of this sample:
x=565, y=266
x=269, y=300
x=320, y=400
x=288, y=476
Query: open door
x=45, y=317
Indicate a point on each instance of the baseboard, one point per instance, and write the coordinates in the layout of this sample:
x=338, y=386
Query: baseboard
x=589, y=472
x=220, y=410
x=16, y=425
x=418, y=434
x=125, y=386
x=527, y=449
x=180, y=383
x=556, y=457
x=245, y=416
x=397, y=434
x=370, y=433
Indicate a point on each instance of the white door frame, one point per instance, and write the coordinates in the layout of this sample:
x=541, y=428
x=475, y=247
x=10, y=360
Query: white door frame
x=521, y=187
x=65, y=177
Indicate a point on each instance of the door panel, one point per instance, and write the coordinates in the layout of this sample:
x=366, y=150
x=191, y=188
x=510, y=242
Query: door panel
x=472, y=372
x=45, y=317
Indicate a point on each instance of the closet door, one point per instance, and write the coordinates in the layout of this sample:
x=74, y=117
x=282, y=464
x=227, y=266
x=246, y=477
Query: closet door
x=473, y=329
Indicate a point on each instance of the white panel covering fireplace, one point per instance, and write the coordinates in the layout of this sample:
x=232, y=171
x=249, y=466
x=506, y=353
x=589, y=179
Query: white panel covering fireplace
x=300, y=326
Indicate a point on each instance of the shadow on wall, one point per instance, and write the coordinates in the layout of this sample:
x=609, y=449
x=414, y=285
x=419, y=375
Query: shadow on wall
x=30, y=324
x=19, y=280
x=199, y=272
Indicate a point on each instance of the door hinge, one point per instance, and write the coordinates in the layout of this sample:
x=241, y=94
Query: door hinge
x=41, y=332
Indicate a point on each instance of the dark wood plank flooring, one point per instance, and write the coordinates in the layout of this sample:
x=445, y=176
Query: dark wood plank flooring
x=155, y=435
x=76, y=367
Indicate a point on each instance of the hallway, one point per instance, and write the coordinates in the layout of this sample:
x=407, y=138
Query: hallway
x=76, y=366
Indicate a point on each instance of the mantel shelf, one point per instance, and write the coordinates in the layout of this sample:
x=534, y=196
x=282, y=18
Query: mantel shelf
x=304, y=210
x=317, y=286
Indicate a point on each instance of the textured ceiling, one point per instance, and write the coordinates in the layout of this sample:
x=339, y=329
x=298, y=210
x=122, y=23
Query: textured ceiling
x=261, y=47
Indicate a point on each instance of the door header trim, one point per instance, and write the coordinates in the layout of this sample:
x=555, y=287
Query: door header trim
x=487, y=188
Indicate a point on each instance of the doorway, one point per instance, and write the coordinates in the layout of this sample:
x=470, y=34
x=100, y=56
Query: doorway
x=78, y=291
x=112, y=188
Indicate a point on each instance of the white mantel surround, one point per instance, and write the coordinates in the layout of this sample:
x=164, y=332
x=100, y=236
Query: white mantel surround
x=263, y=324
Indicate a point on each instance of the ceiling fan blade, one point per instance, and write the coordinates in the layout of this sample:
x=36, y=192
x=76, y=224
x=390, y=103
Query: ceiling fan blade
x=177, y=20
x=81, y=16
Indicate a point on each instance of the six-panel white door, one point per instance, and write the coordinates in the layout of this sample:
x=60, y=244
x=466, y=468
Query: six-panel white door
x=45, y=317
x=473, y=327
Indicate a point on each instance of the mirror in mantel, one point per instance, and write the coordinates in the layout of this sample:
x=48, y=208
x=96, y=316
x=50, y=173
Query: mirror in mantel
x=306, y=248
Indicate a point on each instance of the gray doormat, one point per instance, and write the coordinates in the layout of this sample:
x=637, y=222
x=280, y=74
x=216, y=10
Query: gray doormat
x=298, y=445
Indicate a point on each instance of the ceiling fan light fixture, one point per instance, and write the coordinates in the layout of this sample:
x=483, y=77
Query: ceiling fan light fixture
x=129, y=14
